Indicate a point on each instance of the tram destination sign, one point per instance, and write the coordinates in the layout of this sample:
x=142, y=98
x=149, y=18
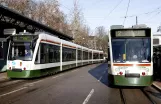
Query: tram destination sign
x=130, y=33
x=22, y=38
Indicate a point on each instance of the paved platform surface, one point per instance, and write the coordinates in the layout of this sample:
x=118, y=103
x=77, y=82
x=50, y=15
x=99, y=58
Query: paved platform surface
x=157, y=84
x=3, y=76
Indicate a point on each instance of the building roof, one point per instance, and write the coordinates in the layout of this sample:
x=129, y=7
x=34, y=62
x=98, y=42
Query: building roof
x=15, y=17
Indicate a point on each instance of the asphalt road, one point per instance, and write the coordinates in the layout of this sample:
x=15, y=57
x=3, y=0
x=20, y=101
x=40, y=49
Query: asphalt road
x=84, y=85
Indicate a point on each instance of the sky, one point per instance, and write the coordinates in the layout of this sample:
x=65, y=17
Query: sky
x=102, y=13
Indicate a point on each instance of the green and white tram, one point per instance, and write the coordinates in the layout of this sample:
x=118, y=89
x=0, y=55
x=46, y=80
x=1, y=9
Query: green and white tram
x=39, y=54
x=131, y=52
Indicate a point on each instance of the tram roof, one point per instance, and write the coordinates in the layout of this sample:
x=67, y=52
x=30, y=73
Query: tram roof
x=131, y=28
x=7, y=13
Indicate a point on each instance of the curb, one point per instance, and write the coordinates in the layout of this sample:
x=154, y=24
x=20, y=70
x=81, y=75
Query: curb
x=3, y=78
x=156, y=86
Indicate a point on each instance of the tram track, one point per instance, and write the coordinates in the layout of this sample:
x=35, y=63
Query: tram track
x=149, y=98
x=136, y=95
x=123, y=100
x=156, y=88
x=10, y=83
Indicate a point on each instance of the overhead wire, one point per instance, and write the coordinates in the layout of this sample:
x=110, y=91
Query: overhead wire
x=153, y=16
x=155, y=10
x=126, y=12
x=112, y=10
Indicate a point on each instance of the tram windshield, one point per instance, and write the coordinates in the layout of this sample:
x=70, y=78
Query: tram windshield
x=131, y=50
x=20, y=51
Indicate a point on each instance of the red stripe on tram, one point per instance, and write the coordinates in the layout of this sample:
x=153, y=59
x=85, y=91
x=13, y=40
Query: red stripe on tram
x=131, y=64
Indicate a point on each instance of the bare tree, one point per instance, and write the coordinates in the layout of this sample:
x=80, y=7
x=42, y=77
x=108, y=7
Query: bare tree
x=79, y=30
x=101, y=39
x=18, y=5
x=47, y=12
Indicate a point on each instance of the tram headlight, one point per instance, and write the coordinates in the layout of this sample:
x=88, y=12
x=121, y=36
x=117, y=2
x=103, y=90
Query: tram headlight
x=147, y=69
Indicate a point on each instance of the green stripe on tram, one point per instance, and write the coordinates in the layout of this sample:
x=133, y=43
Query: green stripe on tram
x=32, y=73
x=37, y=73
x=65, y=67
x=124, y=81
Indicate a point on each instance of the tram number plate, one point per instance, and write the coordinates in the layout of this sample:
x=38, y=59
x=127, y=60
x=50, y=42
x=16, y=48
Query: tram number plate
x=133, y=75
x=17, y=70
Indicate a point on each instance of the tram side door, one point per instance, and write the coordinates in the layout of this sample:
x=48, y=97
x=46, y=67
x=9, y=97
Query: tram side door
x=108, y=58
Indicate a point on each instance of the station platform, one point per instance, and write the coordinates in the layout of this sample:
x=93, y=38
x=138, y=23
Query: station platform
x=157, y=84
x=3, y=76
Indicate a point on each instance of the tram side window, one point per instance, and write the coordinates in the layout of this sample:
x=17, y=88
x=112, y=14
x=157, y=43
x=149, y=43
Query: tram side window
x=51, y=54
x=56, y=53
x=98, y=57
x=101, y=56
x=95, y=55
x=68, y=54
x=86, y=55
x=37, y=60
x=44, y=53
x=90, y=55
x=73, y=54
x=79, y=55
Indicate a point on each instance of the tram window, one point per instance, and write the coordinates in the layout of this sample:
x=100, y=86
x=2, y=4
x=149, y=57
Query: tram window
x=44, y=53
x=73, y=54
x=69, y=54
x=42, y=57
x=56, y=53
x=51, y=54
x=95, y=56
x=126, y=50
x=84, y=55
x=79, y=55
x=101, y=56
x=37, y=60
x=90, y=55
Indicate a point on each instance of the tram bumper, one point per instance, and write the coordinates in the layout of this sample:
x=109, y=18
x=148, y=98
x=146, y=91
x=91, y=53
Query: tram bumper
x=130, y=81
x=23, y=74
